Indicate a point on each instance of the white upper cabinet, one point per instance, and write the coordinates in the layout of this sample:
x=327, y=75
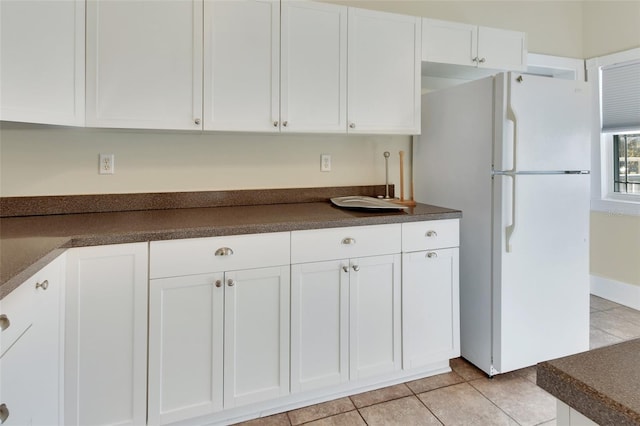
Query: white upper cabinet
x=242, y=65
x=449, y=42
x=313, y=57
x=144, y=64
x=383, y=73
x=502, y=49
x=464, y=44
x=269, y=70
x=42, y=61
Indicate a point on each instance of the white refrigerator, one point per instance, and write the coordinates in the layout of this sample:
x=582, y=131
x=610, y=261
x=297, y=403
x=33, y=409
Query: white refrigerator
x=513, y=153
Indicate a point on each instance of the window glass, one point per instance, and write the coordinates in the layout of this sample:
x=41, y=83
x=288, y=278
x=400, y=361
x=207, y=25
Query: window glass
x=626, y=163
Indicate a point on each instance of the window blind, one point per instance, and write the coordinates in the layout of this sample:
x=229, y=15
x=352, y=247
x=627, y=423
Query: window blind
x=621, y=97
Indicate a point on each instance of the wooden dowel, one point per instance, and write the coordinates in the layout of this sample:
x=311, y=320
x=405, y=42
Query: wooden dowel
x=401, y=175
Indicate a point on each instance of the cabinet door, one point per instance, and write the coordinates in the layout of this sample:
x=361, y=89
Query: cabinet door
x=319, y=324
x=185, y=347
x=502, y=49
x=106, y=335
x=42, y=61
x=375, y=341
x=256, y=335
x=383, y=73
x=242, y=65
x=430, y=307
x=313, y=66
x=47, y=330
x=144, y=64
x=449, y=42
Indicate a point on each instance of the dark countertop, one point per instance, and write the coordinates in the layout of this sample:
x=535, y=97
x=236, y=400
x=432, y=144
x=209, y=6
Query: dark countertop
x=603, y=384
x=30, y=242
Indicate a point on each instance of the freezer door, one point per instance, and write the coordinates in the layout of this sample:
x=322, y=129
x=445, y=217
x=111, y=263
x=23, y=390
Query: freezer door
x=541, y=124
x=540, y=268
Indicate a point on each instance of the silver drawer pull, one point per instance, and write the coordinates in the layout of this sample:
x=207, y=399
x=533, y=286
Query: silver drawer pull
x=431, y=234
x=224, y=251
x=345, y=268
x=348, y=241
x=356, y=268
x=4, y=413
x=43, y=285
x=231, y=282
x=4, y=322
x=218, y=283
x=432, y=255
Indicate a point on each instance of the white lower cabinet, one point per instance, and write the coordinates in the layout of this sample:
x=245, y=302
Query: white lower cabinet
x=106, y=335
x=375, y=340
x=218, y=340
x=430, y=312
x=319, y=325
x=345, y=313
x=31, y=350
x=186, y=316
x=430, y=293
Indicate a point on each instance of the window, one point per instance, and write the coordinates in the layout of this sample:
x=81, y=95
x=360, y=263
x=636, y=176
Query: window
x=615, y=178
x=626, y=163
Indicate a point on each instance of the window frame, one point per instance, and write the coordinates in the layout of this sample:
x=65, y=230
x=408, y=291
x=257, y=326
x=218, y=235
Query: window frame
x=603, y=196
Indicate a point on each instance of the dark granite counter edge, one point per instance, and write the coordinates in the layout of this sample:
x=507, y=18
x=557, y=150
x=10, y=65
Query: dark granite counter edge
x=43, y=258
x=26, y=273
x=596, y=406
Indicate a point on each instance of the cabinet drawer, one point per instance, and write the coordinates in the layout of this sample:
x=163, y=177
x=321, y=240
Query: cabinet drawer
x=217, y=254
x=340, y=243
x=432, y=234
x=17, y=314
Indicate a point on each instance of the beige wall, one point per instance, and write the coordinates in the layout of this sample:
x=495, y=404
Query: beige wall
x=610, y=26
x=47, y=160
x=615, y=247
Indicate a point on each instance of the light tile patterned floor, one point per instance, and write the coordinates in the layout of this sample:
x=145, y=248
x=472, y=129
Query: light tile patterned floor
x=465, y=396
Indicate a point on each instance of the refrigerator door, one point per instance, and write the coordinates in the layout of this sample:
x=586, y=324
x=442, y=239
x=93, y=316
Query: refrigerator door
x=540, y=268
x=542, y=124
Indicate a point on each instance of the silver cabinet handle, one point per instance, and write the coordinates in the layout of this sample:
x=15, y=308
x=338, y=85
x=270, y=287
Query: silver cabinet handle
x=348, y=241
x=285, y=123
x=197, y=121
x=352, y=125
x=224, y=251
x=4, y=413
x=275, y=124
x=231, y=282
x=356, y=268
x=432, y=255
x=4, y=322
x=482, y=60
x=43, y=285
x=431, y=234
x=475, y=59
x=218, y=283
x=345, y=268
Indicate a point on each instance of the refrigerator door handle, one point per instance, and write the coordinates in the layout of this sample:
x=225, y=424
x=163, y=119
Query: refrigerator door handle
x=511, y=228
x=512, y=117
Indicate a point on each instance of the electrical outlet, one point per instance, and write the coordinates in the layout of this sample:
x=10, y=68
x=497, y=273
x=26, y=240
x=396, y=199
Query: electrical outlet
x=325, y=162
x=106, y=164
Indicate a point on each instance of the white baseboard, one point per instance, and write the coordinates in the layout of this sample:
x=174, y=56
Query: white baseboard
x=616, y=291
